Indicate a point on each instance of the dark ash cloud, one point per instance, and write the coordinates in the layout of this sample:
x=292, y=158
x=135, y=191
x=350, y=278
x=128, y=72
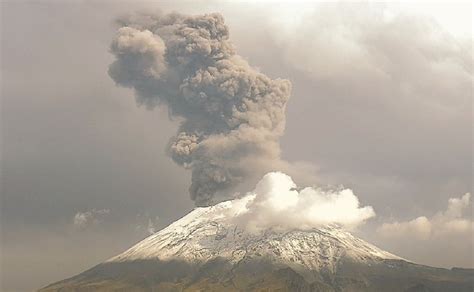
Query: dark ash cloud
x=232, y=116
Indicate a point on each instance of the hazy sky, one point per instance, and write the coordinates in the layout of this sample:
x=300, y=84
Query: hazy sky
x=381, y=103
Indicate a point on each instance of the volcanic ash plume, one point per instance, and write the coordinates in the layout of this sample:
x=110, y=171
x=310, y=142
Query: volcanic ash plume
x=232, y=116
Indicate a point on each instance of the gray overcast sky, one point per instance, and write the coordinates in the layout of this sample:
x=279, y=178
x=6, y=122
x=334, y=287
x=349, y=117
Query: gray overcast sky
x=381, y=103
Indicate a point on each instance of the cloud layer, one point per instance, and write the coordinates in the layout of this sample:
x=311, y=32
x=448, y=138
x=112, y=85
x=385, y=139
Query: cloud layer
x=232, y=116
x=453, y=220
x=276, y=202
x=83, y=220
x=397, y=86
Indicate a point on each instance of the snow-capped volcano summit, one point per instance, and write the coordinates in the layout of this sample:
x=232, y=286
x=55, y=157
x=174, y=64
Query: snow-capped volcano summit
x=206, y=251
x=206, y=234
x=272, y=239
x=233, y=231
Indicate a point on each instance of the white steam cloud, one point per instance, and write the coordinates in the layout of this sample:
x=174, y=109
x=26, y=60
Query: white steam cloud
x=276, y=202
x=232, y=116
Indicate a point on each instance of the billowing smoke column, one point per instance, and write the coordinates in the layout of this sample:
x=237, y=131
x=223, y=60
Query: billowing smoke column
x=232, y=115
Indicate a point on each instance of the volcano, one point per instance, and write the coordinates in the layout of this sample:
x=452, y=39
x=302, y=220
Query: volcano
x=207, y=251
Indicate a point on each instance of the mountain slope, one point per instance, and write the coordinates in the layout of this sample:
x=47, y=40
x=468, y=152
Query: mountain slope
x=208, y=251
x=206, y=234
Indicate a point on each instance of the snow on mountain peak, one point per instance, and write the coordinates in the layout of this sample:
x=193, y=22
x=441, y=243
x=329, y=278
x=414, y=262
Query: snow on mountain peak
x=261, y=224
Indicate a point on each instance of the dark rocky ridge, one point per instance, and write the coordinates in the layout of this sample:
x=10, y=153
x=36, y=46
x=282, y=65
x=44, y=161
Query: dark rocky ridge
x=259, y=274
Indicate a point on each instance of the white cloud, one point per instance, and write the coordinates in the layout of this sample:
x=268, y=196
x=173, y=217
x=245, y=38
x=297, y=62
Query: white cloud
x=147, y=224
x=456, y=206
x=151, y=227
x=82, y=220
x=276, y=202
x=450, y=221
x=420, y=227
